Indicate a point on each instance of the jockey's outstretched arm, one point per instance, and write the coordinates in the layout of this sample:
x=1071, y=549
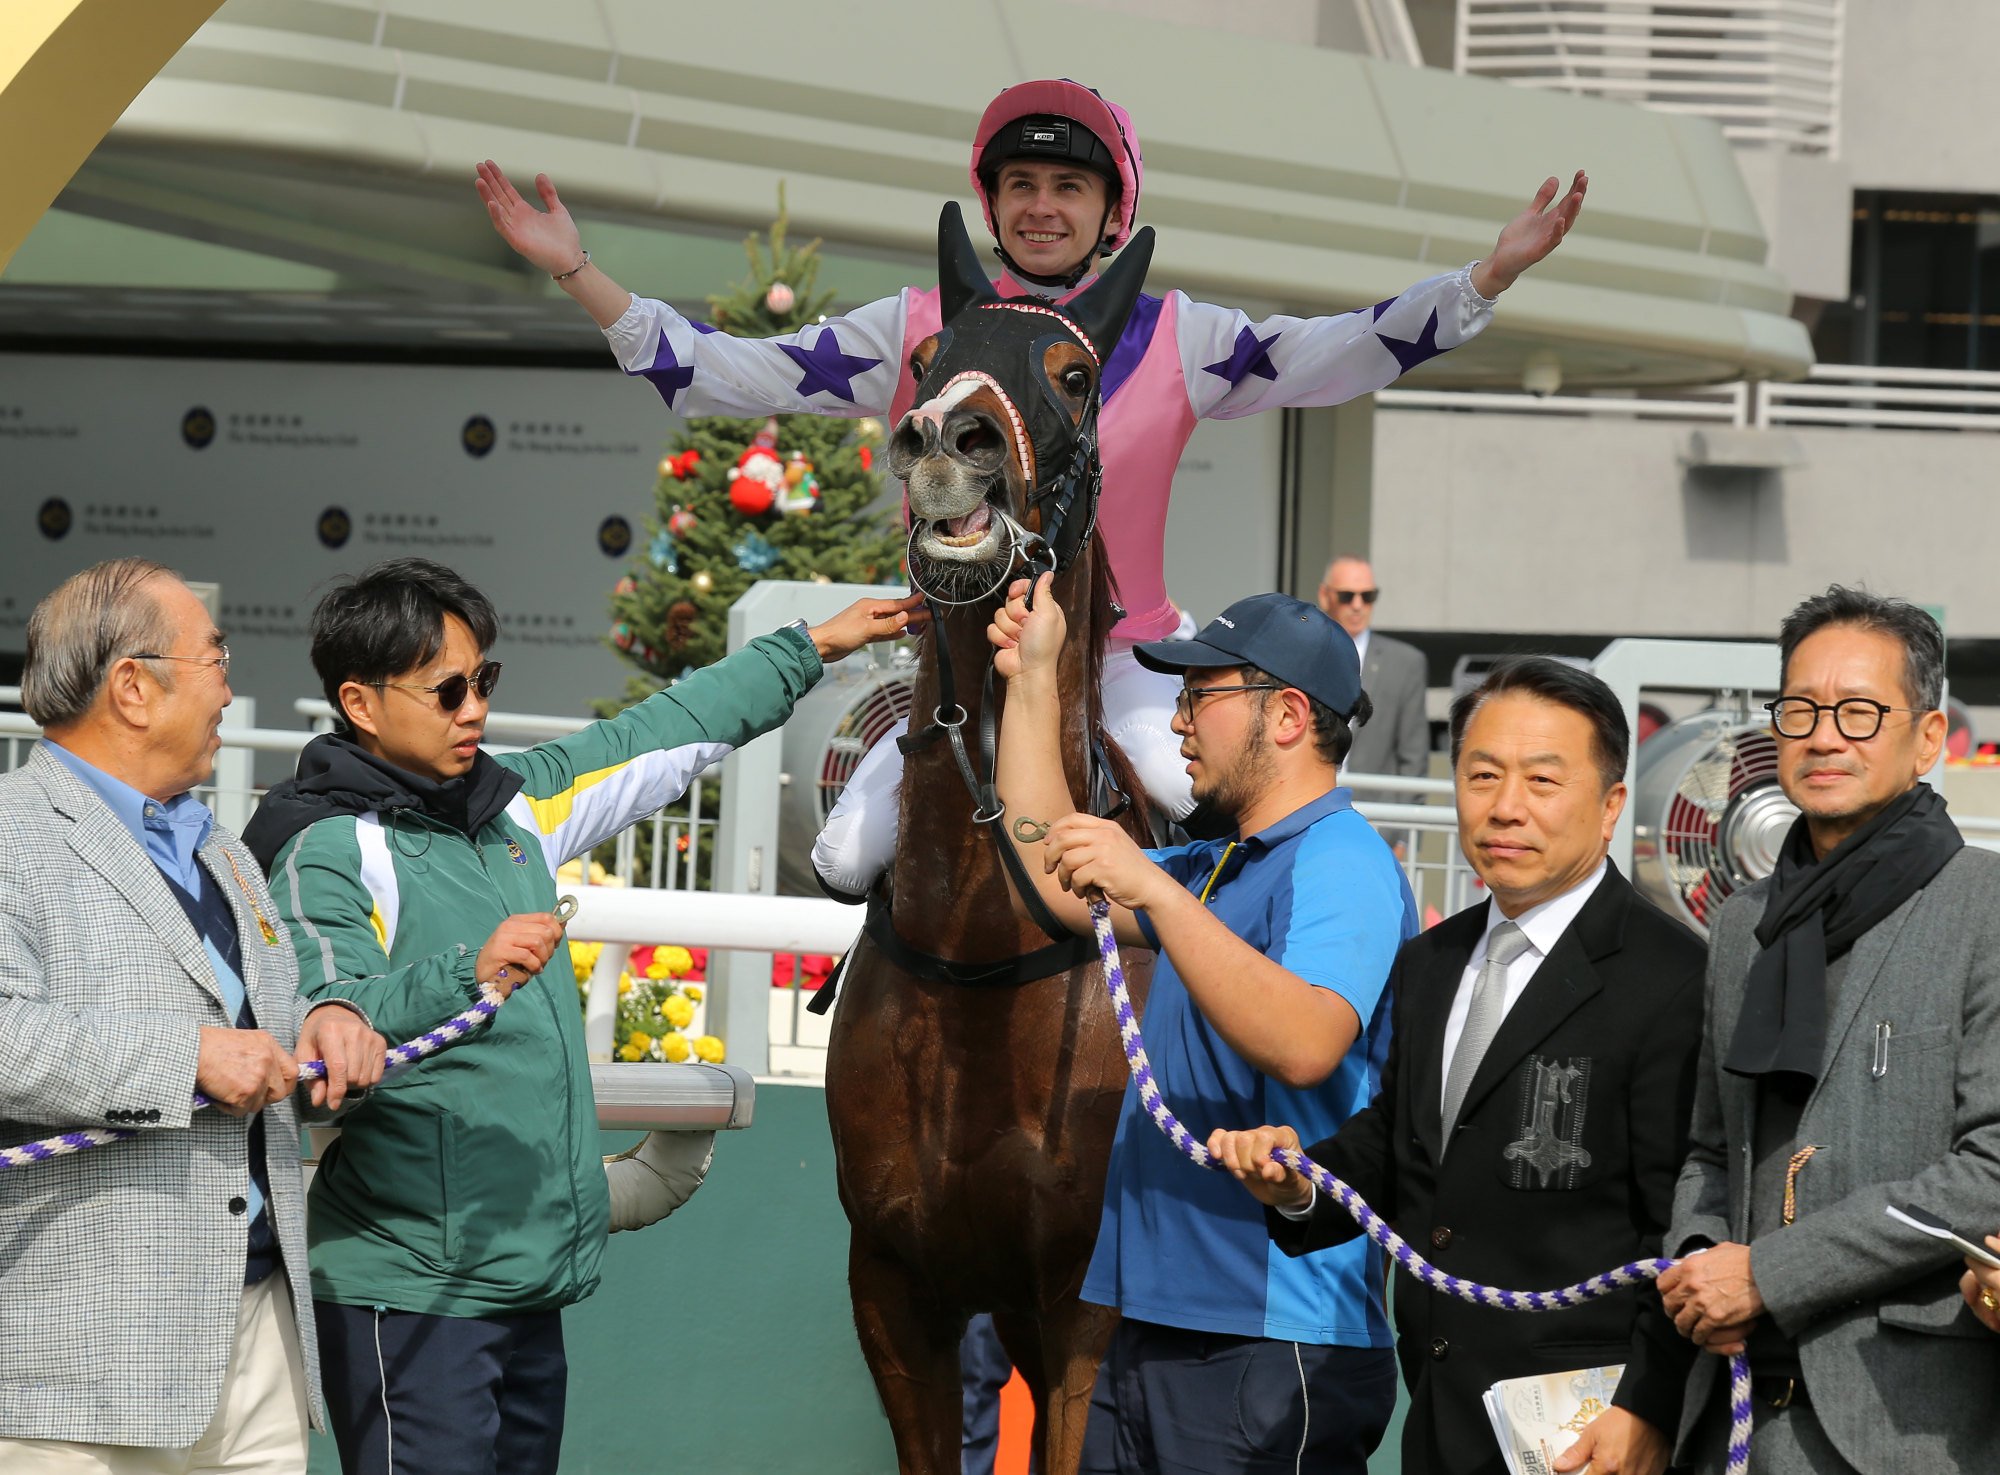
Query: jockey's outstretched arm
x=846, y=366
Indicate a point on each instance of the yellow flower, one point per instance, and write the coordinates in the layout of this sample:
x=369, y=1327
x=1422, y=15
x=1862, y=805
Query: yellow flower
x=677, y=1011
x=675, y=1047
x=708, y=1048
x=630, y=1052
x=679, y=961
x=656, y=970
x=583, y=958
x=693, y=991
x=624, y=984
x=640, y=1041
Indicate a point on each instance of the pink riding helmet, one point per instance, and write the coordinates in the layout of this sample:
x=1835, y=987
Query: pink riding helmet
x=1066, y=99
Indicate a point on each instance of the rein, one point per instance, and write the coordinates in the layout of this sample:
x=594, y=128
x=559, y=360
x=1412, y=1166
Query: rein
x=1373, y=1225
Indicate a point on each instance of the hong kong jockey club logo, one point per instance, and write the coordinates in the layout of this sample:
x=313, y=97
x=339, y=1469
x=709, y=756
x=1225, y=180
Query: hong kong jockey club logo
x=198, y=427
x=477, y=436
x=614, y=536
x=335, y=527
x=54, y=519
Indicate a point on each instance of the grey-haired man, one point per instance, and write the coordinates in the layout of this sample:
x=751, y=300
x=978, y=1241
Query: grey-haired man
x=151, y=1321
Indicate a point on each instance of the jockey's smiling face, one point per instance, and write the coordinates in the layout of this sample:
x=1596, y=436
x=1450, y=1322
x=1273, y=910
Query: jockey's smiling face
x=1051, y=217
x=409, y=722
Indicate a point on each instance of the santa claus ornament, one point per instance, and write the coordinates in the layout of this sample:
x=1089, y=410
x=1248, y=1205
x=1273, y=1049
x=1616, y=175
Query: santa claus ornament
x=759, y=473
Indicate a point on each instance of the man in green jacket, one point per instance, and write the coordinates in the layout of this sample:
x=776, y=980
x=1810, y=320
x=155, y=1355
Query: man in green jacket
x=465, y=1203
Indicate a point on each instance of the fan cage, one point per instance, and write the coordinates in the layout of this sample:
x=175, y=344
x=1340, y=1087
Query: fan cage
x=1701, y=865
x=864, y=723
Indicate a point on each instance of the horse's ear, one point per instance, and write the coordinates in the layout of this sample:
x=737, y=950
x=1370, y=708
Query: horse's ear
x=962, y=281
x=1102, y=307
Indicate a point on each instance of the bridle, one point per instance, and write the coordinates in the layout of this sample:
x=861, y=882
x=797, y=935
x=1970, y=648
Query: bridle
x=1068, y=505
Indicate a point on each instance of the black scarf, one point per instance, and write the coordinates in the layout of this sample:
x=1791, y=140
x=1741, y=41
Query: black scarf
x=1817, y=910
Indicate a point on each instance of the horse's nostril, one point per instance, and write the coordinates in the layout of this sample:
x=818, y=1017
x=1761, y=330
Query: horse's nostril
x=977, y=437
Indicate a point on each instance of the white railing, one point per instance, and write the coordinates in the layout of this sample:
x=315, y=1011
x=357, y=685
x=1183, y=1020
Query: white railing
x=1853, y=396
x=1767, y=71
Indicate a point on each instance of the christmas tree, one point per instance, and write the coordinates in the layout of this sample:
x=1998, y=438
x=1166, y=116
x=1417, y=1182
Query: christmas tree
x=743, y=500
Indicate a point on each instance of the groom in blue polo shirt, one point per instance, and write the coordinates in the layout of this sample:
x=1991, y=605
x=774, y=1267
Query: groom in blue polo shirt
x=1276, y=944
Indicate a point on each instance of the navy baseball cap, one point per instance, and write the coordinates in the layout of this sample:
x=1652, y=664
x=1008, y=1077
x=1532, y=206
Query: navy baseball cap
x=1296, y=642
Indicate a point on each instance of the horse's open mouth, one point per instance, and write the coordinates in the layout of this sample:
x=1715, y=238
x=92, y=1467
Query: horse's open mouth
x=968, y=531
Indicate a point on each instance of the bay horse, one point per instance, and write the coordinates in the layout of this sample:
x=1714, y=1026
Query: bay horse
x=975, y=1069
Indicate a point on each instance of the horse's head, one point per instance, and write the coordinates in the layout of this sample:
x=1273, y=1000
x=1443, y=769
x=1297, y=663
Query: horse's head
x=1002, y=443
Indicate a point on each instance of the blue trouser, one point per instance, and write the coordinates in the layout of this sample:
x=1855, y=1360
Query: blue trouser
x=1174, y=1402
x=443, y=1395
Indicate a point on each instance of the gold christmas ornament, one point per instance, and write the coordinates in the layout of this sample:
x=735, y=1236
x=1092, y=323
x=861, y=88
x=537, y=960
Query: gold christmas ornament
x=868, y=428
x=703, y=581
x=667, y=467
x=821, y=579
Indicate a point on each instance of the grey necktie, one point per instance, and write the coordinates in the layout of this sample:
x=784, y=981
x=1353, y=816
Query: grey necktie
x=1482, y=1020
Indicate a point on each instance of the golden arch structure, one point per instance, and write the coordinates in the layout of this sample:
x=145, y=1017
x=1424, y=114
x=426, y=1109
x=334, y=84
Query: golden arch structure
x=68, y=69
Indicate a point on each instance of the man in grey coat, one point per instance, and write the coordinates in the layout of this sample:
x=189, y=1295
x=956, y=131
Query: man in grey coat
x=148, y=1317
x=1850, y=1061
x=1397, y=738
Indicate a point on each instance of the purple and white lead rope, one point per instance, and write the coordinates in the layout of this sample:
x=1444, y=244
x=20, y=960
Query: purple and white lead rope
x=1374, y=1226
x=408, y=1053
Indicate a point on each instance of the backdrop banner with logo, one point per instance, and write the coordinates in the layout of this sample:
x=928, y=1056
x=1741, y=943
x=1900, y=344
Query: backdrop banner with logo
x=270, y=478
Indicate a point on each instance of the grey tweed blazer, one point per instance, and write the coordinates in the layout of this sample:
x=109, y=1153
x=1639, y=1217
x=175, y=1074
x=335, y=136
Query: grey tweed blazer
x=1900, y=1374
x=121, y=1267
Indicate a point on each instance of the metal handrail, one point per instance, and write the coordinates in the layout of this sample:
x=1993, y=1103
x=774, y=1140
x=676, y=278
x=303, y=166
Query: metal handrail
x=1767, y=71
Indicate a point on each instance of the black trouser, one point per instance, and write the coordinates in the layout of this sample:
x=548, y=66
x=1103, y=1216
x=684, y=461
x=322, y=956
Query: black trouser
x=1175, y=1402
x=443, y=1395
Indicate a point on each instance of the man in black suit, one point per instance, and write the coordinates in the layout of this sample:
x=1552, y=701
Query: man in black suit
x=1534, y=1111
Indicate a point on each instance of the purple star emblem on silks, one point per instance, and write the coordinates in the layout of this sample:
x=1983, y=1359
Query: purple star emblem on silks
x=826, y=367
x=1410, y=353
x=668, y=374
x=1251, y=355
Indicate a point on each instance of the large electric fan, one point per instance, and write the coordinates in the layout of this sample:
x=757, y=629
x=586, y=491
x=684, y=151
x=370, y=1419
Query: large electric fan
x=834, y=725
x=1708, y=815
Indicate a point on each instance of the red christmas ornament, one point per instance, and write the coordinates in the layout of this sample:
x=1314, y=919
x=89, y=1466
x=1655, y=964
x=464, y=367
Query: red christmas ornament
x=758, y=476
x=681, y=467
x=867, y=459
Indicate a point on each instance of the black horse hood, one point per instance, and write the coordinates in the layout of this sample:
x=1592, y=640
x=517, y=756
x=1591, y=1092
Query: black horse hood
x=337, y=777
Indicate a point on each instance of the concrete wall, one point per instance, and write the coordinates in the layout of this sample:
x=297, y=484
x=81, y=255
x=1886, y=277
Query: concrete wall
x=1917, y=108
x=1507, y=523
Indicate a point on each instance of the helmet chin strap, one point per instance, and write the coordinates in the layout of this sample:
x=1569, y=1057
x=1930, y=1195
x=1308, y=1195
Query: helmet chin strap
x=1061, y=284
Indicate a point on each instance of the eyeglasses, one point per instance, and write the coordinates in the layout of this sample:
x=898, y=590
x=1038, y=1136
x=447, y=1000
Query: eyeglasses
x=1856, y=718
x=219, y=661
x=453, y=690
x=1348, y=596
x=1184, y=703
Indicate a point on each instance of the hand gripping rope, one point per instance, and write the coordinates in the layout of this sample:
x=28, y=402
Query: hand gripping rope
x=408, y=1053
x=1372, y=1224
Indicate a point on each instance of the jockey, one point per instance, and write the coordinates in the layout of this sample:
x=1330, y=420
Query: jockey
x=1058, y=171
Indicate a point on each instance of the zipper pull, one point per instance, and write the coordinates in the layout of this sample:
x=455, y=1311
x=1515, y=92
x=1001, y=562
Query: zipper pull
x=1881, y=1066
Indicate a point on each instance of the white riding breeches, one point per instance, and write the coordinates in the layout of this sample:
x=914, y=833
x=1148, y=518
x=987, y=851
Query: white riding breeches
x=859, y=840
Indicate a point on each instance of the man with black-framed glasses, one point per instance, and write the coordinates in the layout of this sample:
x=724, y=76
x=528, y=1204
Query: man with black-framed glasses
x=1275, y=940
x=467, y=1202
x=1397, y=739
x=1851, y=1063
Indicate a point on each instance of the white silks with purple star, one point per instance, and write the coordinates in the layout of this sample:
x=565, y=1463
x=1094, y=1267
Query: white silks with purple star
x=1178, y=362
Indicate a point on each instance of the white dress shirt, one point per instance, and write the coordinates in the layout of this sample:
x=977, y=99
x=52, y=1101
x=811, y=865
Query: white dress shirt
x=1542, y=924
x=1361, y=645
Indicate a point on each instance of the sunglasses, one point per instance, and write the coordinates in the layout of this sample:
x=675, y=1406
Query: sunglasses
x=453, y=690
x=1348, y=596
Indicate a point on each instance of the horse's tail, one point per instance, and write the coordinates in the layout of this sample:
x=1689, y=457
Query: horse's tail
x=1123, y=776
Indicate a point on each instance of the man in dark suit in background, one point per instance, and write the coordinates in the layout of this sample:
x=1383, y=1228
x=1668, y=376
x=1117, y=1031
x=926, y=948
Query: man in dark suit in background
x=1533, y=1114
x=1397, y=739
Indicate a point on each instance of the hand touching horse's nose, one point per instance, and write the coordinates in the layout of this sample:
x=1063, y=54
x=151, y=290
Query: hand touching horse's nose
x=1027, y=640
